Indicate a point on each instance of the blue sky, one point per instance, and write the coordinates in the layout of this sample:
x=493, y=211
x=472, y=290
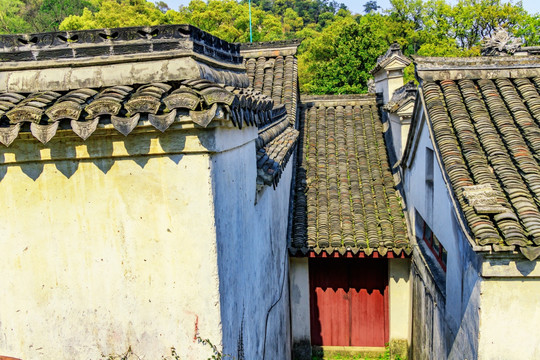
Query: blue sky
x=356, y=6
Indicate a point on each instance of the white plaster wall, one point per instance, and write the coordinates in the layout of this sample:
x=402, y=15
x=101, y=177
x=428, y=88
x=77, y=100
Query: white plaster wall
x=395, y=126
x=509, y=319
x=461, y=292
x=439, y=220
x=252, y=256
x=463, y=344
x=405, y=126
x=300, y=307
x=99, y=255
x=387, y=81
x=400, y=299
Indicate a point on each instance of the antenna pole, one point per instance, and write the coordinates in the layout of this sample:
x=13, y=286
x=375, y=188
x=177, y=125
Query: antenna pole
x=250, y=32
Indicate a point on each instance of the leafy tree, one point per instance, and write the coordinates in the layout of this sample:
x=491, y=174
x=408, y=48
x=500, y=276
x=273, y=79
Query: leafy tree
x=46, y=15
x=528, y=30
x=112, y=13
x=292, y=23
x=11, y=20
x=339, y=60
x=325, y=19
x=474, y=20
x=371, y=6
x=265, y=5
x=229, y=20
x=280, y=6
x=163, y=6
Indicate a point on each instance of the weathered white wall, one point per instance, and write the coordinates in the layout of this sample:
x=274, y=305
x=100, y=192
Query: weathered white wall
x=395, y=128
x=300, y=308
x=106, y=250
x=388, y=81
x=252, y=256
x=399, y=289
x=456, y=323
x=400, y=131
x=509, y=319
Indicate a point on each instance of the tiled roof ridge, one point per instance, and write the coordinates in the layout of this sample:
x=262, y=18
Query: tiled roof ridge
x=116, y=41
x=488, y=133
x=272, y=69
x=530, y=50
x=393, y=50
x=273, y=157
x=480, y=67
x=161, y=103
x=337, y=100
x=274, y=145
x=270, y=44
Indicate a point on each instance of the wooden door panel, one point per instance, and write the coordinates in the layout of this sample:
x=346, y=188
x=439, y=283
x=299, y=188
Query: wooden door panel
x=349, y=302
x=367, y=318
x=329, y=304
x=368, y=282
x=333, y=316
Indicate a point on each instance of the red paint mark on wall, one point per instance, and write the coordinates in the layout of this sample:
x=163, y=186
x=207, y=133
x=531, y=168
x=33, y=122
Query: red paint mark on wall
x=8, y=358
x=196, y=335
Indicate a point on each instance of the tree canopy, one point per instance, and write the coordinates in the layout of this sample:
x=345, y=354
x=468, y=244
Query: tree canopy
x=338, y=48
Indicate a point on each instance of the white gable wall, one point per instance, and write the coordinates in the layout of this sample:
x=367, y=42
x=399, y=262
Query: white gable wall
x=109, y=247
x=252, y=256
x=458, y=286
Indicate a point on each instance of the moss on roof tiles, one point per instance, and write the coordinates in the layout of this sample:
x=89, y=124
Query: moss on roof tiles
x=345, y=196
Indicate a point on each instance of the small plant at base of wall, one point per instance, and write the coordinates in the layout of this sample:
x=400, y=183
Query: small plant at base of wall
x=384, y=356
x=130, y=355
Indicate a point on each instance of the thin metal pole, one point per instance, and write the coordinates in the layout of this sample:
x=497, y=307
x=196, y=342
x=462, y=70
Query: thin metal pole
x=250, y=32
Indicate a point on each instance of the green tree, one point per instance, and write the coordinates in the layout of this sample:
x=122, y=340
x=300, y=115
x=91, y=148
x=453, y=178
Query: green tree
x=371, y=6
x=292, y=23
x=339, y=60
x=46, y=15
x=11, y=21
x=474, y=20
x=112, y=13
x=229, y=20
x=528, y=30
x=163, y=6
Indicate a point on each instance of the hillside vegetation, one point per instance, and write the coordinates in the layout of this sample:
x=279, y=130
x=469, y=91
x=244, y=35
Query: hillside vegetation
x=339, y=48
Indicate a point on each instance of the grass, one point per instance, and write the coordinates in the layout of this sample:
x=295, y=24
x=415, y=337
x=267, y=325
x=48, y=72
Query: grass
x=385, y=356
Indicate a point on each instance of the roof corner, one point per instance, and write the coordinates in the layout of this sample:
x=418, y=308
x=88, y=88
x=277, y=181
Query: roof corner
x=393, y=59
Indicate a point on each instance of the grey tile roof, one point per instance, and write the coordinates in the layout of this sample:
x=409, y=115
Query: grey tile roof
x=487, y=133
x=276, y=77
x=272, y=69
x=345, y=194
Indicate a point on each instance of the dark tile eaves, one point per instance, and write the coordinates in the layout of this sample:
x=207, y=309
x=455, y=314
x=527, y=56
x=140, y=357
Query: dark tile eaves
x=124, y=106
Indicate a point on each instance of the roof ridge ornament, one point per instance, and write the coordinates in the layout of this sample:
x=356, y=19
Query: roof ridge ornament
x=392, y=57
x=500, y=43
x=394, y=49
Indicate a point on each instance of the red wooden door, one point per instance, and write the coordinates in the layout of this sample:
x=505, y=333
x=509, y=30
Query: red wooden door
x=349, y=302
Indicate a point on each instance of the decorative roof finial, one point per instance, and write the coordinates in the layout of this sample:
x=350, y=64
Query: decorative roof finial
x=500, y=43
x=394, y=49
